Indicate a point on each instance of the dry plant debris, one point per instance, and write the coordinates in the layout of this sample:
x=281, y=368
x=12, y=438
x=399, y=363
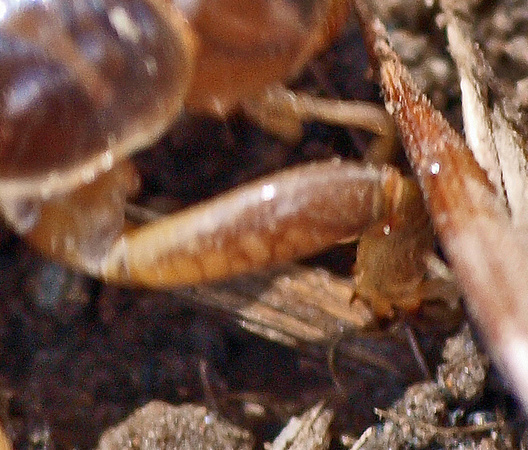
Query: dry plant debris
x=160, y=426
x=490, y=118
x=463, y=374
x=422, y=415
x=308, y=432
x=293, y=306
x=440, y=412
x=480, y=239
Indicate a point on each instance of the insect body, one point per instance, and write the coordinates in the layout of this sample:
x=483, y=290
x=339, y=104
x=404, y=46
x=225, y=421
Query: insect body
x=84, y=84
x=246, y=47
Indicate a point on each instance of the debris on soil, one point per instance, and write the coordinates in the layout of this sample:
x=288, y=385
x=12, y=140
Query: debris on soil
x=308, y=432
x=161, y=426
x=463, y=373
x=445, y=412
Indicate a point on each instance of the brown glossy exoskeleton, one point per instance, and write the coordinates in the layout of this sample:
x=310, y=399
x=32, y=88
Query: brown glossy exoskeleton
x=86, y=83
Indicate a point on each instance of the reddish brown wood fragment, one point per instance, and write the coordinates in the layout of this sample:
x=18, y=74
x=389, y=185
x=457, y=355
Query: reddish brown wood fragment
x=486, y=251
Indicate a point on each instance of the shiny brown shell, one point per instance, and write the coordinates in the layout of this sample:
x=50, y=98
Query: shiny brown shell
x=86, y=83
x=82, y=85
